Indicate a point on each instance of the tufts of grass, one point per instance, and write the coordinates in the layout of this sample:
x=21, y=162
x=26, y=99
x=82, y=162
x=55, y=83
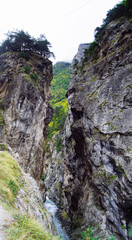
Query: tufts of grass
x=11, y=180
x=25, y=228
x=10, y=177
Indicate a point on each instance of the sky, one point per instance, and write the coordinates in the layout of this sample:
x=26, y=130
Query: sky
x=65, y=23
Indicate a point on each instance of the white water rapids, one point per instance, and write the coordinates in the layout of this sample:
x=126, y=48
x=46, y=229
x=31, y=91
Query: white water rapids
x=52, y=208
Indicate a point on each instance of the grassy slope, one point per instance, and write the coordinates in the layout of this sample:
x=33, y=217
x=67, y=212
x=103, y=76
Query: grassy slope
x=59, y=86
x=11, y=180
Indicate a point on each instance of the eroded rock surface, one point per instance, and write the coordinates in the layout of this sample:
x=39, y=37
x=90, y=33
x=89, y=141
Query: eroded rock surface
x=24, y=108
x=98, y=174
x=6, y=221
x=29, y=201
x=97, y=179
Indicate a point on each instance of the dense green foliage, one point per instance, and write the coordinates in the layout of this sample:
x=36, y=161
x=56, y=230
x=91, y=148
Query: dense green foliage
x=59, y=86
x=122, y=9
x=22, y=42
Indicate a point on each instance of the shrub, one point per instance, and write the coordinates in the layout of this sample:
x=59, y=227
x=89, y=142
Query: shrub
x=34, y=76
x=92, y=48
x=13, y=187
x=27, y=69
x=42, y=177
x=24, y=55
x=122, y=9
x=89, y=234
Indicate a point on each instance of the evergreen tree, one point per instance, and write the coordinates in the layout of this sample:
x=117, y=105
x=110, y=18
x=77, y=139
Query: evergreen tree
x=20, y=41
x=122, y=9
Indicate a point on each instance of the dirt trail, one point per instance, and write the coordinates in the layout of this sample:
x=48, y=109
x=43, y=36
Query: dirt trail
x=5, y=221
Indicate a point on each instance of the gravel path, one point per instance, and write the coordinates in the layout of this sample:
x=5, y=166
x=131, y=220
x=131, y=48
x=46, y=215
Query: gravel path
x=5, y=221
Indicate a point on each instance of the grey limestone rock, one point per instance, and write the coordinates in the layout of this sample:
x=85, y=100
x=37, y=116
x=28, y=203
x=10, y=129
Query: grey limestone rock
x=24, y=108
x=81, y=52
x=98, y=137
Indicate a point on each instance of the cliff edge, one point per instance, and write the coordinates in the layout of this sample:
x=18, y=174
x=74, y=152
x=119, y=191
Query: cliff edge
x=98, y=137
x=24, y=108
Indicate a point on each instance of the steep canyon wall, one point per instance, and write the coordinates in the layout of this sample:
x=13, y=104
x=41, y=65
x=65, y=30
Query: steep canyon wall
x=95, y=161
x=98, y=175
x=24, y=108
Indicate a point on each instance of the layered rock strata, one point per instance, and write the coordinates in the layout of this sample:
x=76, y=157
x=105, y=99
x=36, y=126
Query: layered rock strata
x=97, y=184
x=94, y=170
x=24, y=108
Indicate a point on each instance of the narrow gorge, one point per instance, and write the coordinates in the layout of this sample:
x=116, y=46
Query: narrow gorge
x=86, y=168
x=90, y=178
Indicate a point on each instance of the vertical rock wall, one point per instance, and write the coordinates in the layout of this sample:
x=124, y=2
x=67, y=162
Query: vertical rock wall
x=97, y=184
x=24, y=108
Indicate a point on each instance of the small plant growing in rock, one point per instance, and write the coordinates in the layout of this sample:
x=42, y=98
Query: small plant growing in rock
x=27, y=69
x=12, y=185
x=92, y=48
x=34, y=76
x=89, y=234
x=42, y=177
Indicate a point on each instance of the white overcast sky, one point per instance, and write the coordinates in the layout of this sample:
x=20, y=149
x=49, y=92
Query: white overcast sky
x=65, y=23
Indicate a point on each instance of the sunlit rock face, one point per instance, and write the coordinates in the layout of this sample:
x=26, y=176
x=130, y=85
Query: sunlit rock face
x=24, y=108
x=97, y=183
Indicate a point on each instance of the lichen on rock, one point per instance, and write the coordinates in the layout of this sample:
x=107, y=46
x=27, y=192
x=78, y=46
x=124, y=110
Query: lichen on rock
x=24, y=100
x=97, y=179
x=100, y=191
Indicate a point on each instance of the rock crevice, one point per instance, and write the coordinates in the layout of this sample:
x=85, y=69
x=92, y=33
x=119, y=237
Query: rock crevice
x=24, y=103
x=97, y=179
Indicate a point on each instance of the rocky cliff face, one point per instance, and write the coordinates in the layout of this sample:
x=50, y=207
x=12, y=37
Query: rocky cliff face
x=24, y=108
x=98, y=172
x=97, y=180
x=81, y=52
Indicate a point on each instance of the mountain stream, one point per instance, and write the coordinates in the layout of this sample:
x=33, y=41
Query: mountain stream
x=52, y=208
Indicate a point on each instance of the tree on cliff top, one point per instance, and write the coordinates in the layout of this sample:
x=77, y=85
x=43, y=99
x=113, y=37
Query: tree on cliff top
x=20, y=41
x=124, y=8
